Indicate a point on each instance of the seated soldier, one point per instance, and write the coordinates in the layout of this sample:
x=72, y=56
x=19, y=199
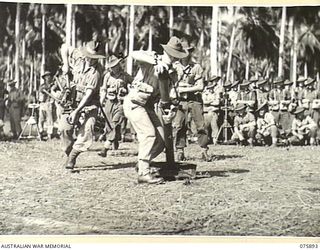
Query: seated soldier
x=244, y=126
x=266, y=127
x=303, y=128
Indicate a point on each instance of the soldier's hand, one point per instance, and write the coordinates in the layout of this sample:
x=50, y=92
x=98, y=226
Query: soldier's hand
x=73, y=117
x=160, y=68
x=65, y=68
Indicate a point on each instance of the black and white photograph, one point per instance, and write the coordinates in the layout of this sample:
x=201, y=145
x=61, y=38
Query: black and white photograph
x=159, y=120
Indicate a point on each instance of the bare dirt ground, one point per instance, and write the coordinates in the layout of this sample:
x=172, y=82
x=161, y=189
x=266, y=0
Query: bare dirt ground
x=245, y=191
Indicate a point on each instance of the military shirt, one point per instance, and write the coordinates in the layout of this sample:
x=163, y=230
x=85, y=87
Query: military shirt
x=117, y=81
x=266, y=121
x=298, y=124
x=238, y=120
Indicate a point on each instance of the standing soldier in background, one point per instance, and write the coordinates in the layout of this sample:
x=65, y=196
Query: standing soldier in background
x=3, y=93
x=88, y=89
x=189, y=88
x=211, y=108
x=46, y=106
x=14, y=105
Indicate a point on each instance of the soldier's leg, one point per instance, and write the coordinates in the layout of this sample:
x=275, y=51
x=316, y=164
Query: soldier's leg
x=180, y=129
x=273, y=130
x=42, y=116
x=312, y=135
x=12, y=123
x=147, y=136
x=66, y=131
x=208, y=116
x=49, y=115
x=214, y=127
x=251, y=131
x=17, y=121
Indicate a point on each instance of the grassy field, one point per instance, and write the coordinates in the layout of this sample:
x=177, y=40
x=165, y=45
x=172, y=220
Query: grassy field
x=244, y=191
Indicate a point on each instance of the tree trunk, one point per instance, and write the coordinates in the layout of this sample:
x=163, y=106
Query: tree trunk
x=231, y=44
x=31, y=76
x=17, y=45
x=131, y=40
x=69, y=24
x=171, y=18
x=43, y=44
x=247, y=69
x=305, y=70
x=73, y=28
x=214, y=40
x=23, y=77
x=290, y=28
x=150, y=37
x=219, y=47
x=295, y=50
x=281, y=47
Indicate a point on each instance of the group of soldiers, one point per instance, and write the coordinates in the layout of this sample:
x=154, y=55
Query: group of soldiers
x=168, y=97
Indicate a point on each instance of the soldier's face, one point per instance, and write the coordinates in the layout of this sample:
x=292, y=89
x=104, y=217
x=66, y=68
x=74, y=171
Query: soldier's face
x=262, y=112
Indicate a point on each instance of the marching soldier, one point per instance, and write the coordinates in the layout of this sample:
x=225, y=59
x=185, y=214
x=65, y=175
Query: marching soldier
x=87, y=106
x=14, y=104
x=46, y=106
x=244, y=126
x=190, y=87
x=266, y=127
x=139, y=104
x=304, y=128
x=211, y=108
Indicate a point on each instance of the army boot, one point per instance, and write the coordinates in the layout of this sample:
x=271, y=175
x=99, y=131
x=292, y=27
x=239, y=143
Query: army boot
x=205, y=156
x=103, y=152
x=72, y=159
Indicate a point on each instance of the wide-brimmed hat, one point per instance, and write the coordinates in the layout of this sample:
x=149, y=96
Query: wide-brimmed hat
x=227, y=84
x=211, y=85
x=278, y=80
x=262, y=81
x=174, y=48
x=235, y=84
x=301, y=79
x=299, y=110
x=46, y=73
x=240, y=106
x=245, y=83
x=113, y=61
x=287, y=82
x=214, y=78
x=262, y=106
x=309, y=81
x=91, y=50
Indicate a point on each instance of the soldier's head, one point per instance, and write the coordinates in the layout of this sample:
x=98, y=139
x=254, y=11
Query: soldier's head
x=11, y=84
x=262, y=109
x=240, y=109
x=278, y=82
x=173, y=50
x=114, y=64
x=47, y=77
x=287, y=84
x=189, y=48
x=309, y=84
x=91, y=53
x=300, y=113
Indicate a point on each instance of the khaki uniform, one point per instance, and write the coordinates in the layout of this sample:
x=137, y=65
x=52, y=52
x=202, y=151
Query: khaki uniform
x=145, y=122
x=266, y=127
x=242, y=133
x=45, y=110
x=90, y=79
x=307, y=129
x=15, y=99
x=189, y=103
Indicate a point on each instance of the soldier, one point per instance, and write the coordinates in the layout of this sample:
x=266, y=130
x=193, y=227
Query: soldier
x=87, y=107
x=244, y=126
x=113, y=81
x=3, y=94
x=46, y=105
x=14, y=104
x=275, y=96
x=309, y=94
x=298, y=92
x=190, y=87
x=139, y=104
x=266, y=127
x=211, y=109
x=233, y=93
x=262, y=93
x=304, y=128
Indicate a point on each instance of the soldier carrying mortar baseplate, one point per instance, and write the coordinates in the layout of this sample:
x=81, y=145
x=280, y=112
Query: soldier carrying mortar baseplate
x=149, y=96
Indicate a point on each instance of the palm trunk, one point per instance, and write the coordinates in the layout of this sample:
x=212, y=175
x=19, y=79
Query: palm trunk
x=219, y=47
x=247, y=69
x=73, y=28
x=231, y=45
x=31, y=75
x=281, y=47
x=214, y=41
x=291, y=21
x=171, y=18
x=295, y=50
x=43, y=43
x=150, y=37
x=17, y=45
x=305, y=70
x=23, y=77
x=69, y=24
x=131, y=39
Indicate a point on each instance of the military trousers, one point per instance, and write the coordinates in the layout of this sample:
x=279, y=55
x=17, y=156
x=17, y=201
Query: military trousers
x=211, y=119
x=15, y=120
x=180, y=124
x=81, y=139
x=46, y=115
x=149, y=131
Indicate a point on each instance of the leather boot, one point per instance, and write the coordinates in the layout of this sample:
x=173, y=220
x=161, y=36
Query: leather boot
x=205, y=156
x=103, y=152
x=72, y=159
x=150, y=179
